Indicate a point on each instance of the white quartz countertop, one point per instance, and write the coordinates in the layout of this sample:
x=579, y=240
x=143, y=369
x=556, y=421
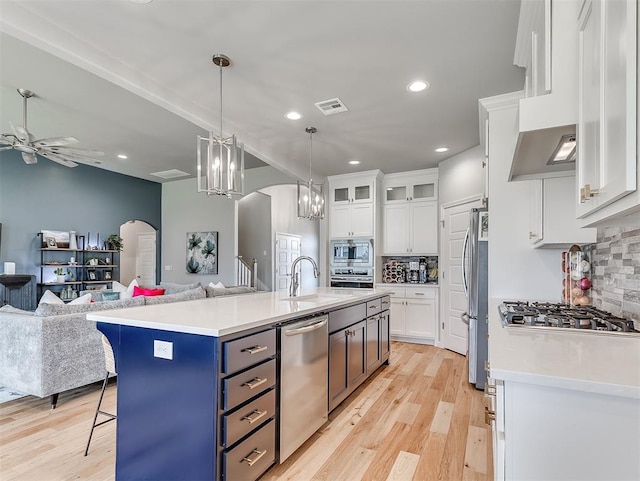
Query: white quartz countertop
x=219, y=316
x=569, y=359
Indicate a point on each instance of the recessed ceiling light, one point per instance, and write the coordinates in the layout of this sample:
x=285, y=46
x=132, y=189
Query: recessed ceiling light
x=122, y=156
x=293, y=115
x=141, y=1
x=354, y=162
x=418, y=86
x=442, y=149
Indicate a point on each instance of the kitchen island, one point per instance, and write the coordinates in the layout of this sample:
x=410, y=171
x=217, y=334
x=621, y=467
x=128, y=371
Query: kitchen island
x=198, y=380
x=566, y=403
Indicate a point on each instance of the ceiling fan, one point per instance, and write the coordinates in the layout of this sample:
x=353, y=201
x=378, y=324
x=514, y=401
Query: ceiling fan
x=54, y=148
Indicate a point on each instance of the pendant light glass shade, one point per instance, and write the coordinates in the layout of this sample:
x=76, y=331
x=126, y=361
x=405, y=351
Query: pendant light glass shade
x=220, y=160
x=310, y=195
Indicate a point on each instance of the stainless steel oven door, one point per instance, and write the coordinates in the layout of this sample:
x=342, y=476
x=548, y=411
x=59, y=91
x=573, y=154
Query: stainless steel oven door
x=352, y=282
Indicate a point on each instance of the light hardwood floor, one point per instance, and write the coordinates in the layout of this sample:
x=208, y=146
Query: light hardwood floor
x=416, y=419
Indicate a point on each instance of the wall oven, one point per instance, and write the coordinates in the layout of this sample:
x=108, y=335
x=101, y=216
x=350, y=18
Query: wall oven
x=351, y=252
x=354, y=278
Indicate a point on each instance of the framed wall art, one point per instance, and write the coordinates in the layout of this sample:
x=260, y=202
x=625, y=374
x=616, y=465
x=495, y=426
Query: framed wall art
x=202, y=253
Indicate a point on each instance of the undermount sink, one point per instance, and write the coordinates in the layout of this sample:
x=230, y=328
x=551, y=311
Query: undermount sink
x=317, y=297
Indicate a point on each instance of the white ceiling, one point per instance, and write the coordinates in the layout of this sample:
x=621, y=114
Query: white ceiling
x=127, y=77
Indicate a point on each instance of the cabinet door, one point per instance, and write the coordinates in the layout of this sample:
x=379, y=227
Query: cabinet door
x=361, y=220
x=397, y=324
x=339, y=221
x=385, y=342
x=340, y=194
x=338, y=382
x=362, y=192
x=421, y=318
x=607, y=124
x=424, y=228
x=373, y=343
x=424, y=191
x=356, y=355
x=396, y=229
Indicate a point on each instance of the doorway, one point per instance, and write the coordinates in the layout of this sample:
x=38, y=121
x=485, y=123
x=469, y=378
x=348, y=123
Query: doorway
x=287, y=249
x=455, y=218
x=138, y=256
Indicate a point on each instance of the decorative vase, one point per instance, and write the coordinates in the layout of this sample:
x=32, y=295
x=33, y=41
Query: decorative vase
x=61, y=279
x=73, y=240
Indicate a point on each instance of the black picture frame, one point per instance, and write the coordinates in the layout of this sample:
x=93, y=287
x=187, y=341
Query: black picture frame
x=92, y=275
x=107, y=276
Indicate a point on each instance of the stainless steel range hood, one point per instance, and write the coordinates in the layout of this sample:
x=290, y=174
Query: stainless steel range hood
x=545, y=119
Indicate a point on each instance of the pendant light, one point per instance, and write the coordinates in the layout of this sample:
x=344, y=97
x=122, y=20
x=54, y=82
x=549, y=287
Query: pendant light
x=310, y=196
x=220, y=160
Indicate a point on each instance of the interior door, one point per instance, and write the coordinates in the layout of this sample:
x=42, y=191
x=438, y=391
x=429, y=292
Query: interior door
x=287, y=249
x=454, y=332
x=146, y=260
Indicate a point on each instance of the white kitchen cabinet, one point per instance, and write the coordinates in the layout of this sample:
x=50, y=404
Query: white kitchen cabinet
x=553, y=217
x=414, y=313
x=607, y=165
x=352, y=220
x=415, y=186
x=353, y=204
x=545, y=432
x=410, y=228
x=533, y=46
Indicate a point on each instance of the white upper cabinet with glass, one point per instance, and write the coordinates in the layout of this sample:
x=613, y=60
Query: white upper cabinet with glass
x=607, y=165
x=420, y=185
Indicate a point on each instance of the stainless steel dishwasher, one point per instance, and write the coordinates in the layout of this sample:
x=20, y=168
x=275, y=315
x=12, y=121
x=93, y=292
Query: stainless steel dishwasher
x=304, y=380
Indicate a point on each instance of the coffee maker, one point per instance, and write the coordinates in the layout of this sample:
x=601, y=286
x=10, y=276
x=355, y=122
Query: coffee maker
x=414, y=274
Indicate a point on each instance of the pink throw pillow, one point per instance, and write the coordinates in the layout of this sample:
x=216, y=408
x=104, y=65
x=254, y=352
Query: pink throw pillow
x=143, y=291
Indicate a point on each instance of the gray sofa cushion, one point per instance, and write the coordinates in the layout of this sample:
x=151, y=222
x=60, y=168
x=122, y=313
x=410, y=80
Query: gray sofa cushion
x=14, y=310
x=191, y=294
x=228, y=291
x=45, y=310
x=172, y=288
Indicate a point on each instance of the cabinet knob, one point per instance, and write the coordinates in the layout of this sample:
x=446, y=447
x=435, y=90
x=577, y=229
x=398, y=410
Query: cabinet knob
x=587, y=192
x=532, y=235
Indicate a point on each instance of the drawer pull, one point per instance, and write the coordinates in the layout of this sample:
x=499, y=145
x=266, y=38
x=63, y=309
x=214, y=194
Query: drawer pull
x=253, y=461
x=385, y=303
x=418, y=293
x=255, y=382
x=373, y=307
x=255, y=349
x=252, y=417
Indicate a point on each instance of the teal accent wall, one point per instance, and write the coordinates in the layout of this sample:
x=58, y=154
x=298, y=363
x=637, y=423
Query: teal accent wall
x=50, y=196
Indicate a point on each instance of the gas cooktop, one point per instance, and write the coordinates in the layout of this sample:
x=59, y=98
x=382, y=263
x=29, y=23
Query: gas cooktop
x=549, y=315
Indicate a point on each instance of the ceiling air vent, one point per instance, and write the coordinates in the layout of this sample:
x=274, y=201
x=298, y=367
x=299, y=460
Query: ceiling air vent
x=169, y=174
x=331, y=106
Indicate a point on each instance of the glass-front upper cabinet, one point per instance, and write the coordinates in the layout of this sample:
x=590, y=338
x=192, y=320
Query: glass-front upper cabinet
x=354, y=192
x=414, y=186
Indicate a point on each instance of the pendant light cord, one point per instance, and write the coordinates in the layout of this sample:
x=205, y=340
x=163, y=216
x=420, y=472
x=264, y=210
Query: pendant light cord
x=310, y=155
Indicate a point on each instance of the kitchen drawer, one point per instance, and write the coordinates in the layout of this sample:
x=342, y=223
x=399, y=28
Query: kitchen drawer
x=237, y=389
x=252, y=457
x=385, y=303
x=246, y=351
x=374, y=307
x=394, y=291
x=241, y=422
x=343, y=318
x=418, y=293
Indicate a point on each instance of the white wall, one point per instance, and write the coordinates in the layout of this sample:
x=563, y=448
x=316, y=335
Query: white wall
x=254, y=235
x=255, y=179
x=284, y=219
x=516, y=269
x=461, y=176
x=185, y=210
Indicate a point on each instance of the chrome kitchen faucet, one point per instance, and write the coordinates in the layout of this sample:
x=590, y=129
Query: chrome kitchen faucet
x=295, y=282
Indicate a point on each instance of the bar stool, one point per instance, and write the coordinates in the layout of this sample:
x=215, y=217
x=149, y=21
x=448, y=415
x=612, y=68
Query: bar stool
x=110, y=366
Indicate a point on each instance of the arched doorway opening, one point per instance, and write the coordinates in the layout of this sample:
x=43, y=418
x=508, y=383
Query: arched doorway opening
x=138, y=256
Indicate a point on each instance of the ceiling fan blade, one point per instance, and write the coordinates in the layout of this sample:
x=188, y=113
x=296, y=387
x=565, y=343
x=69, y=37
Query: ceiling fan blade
x=29, y=158
x=73, y=151
x=55, y=141
x=7, y=139
x=71, y=156
x=6, y=147
x=58, y=159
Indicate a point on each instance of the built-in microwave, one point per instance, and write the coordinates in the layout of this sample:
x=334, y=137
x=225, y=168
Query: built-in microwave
x=352, y=252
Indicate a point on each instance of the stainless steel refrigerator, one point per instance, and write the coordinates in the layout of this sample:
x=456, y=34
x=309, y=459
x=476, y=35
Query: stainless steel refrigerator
x=475, y=279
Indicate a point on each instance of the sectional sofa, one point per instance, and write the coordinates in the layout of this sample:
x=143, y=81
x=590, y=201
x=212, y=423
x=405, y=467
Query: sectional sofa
x=54, y=348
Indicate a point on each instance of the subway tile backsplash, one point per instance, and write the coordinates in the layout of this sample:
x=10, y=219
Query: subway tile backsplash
x=616, y=277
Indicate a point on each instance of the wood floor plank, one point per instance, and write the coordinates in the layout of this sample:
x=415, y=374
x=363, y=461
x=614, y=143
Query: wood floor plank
x=382, y=431
x=404, y=467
